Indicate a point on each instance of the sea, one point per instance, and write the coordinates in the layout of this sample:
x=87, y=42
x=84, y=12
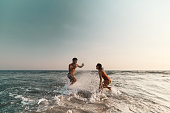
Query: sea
x=49, y=91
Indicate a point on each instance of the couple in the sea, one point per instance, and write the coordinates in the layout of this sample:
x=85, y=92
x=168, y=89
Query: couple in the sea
x=102, y=74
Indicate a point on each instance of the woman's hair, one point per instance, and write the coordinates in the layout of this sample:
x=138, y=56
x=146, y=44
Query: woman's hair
x=99, y=65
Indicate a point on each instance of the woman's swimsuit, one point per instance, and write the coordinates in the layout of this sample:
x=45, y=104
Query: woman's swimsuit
x=107, y=80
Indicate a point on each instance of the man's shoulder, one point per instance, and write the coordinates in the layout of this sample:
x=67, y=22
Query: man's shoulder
x=71, y=64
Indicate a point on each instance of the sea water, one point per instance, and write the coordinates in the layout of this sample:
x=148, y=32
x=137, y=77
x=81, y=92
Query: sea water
x=49, y=91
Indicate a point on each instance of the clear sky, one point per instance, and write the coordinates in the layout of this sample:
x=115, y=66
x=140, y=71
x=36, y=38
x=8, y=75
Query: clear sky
x=120, y=34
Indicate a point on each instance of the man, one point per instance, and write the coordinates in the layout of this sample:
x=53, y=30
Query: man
x=72, y=69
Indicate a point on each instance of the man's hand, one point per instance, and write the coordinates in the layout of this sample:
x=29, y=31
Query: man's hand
x=81, y=65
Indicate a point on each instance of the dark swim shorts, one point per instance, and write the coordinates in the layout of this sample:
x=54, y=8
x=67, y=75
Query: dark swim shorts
x=70, y=76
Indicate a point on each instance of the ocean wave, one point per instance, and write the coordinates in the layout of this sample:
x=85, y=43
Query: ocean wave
x=50, y=92
x=85, y=101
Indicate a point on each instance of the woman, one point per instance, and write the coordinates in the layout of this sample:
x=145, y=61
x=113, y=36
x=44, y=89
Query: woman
x=102, y=74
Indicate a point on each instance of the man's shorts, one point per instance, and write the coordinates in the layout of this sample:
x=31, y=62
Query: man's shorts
x=70, y=77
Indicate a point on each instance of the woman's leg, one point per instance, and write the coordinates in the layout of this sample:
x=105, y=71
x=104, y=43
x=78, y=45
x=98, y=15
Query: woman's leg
x=106, y=83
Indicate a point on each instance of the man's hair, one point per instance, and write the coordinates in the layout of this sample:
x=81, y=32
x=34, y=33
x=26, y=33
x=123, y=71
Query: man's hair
x=74, y=59
x=99, y=65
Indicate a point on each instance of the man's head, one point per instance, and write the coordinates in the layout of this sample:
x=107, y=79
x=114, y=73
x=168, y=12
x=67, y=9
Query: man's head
x=99, y=66
x=75, y=60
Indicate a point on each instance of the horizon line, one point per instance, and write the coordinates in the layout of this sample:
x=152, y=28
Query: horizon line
x=83, y=70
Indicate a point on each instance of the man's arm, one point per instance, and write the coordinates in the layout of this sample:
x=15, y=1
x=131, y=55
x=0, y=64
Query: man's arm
x=81, y=65
x=70, y=68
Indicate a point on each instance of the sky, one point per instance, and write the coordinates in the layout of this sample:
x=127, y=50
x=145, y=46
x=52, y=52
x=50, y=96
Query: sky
x=120, y=34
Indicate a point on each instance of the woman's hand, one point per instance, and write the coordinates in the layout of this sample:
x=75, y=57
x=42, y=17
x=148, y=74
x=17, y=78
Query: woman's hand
x=100, y=86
